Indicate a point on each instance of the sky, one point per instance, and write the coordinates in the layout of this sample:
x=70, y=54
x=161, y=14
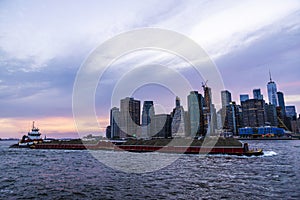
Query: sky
x=43, y=44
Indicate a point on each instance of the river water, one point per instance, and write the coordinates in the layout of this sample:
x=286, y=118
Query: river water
x=66, y=174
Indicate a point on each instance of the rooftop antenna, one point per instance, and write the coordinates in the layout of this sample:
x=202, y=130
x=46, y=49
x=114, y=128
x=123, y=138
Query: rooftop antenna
x=270, y=75
x=204, y=85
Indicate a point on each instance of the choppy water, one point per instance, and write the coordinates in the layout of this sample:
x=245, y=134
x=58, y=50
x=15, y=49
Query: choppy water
x=60, y=174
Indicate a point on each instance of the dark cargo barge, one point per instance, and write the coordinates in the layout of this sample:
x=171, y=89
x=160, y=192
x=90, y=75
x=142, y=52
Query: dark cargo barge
x=227, y=146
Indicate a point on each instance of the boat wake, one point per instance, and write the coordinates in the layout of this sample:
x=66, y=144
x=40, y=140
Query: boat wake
x=269, y=153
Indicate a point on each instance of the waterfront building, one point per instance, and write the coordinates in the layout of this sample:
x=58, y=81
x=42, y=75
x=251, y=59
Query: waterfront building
x=257, y=94
x=220, y=119
x=178, y=126
x=161, y=126
x=271, y=114
x=195, y=112
x=187, y=124
x=233, y=118
x=272, y=91
x=259, y=132
x=291, y=112
x=225, y=98
x=209, y=112
x=295, y=125
x=244, y=97
x=280, y=97
x=130, y=118
x=147, y=114
x=253, y=113
x=115, y=122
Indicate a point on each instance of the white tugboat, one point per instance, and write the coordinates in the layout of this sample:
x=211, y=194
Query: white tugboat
x=33, y=137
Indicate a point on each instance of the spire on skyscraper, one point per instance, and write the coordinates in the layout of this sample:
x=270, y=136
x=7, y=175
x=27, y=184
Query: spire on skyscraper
x=270, y=75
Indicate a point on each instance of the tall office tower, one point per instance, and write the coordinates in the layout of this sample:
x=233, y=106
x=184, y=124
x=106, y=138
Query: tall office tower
x=220, y=120
x=209, y=112
x=178, y=127
x=147, y=114
x=291, y=112
x=115, y=122
x=253, y=112
x=177, y=102
x=244, y=97
x=271, y=114
x=207, y=97
x=226, y=98
x=161, y=126
x=130, y=118
x=281, y=102
x=272, y=91
x=232, y=121
x=257, y=94
x=195, y=111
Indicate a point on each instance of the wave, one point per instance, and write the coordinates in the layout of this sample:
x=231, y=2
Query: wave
x=269, y=153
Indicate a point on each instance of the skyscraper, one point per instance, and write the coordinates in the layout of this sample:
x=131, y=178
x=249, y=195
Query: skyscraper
x=209, y=112
x=161, y=126
x=226, y=98
x=207, y=97
x=147, y=114
x=243, y=97
x=253, y=113
x=257, y=94
x=271, y=114
x=178, y=127
x=281, y=102
x=291, y=112
x=272, y=91
x=130, y=117
x=115, y=122
x=232, y=118
x=195, y=110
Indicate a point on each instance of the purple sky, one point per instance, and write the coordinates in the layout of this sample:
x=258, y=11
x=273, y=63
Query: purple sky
x=43, y=44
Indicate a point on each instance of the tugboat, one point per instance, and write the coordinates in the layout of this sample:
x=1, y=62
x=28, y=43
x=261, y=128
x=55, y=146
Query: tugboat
x=252, y=152
x=33, y=137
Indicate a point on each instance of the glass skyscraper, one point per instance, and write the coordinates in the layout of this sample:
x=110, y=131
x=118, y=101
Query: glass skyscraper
x=195, y=110
x=226, y=98
x=129, y=117
x=147, y=114
x=257, y=94
x=244, y=97
x=281, y=102
x=272, y=92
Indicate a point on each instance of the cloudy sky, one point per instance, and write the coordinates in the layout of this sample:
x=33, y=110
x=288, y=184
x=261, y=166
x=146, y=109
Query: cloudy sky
x=44, y=43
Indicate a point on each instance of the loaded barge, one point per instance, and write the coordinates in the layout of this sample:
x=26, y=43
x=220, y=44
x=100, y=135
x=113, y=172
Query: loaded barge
x=227, y=146
x=207, y=145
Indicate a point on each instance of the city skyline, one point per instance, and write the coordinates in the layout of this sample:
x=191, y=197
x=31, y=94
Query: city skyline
x=42, y=50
